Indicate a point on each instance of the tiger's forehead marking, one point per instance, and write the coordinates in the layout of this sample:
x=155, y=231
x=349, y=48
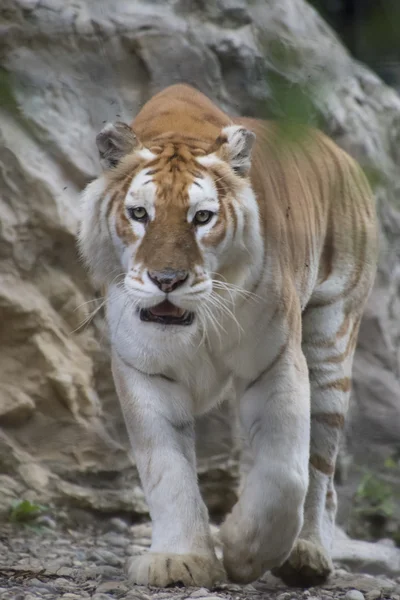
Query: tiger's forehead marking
x=202, y=190
x=176, y=175
x=173, y=171
x=142, y=186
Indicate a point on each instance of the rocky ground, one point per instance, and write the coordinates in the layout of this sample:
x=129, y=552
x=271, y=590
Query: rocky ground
x=53, y=561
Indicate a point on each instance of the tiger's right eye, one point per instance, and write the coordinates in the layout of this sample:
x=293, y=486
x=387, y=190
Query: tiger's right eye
x=202, y=217
x=138, y=213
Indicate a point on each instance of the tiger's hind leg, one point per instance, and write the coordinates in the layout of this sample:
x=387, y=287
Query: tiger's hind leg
x=329, y=339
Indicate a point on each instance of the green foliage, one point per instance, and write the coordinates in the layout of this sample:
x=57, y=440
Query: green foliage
x=7, y=99
x=391, y=463
x=376, y=509
x=375, y=177
x=378, y=496
x=23, y=511
x=292, y=100
x=294, y=107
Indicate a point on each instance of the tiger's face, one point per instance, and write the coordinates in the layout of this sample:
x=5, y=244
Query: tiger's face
x=178, y=220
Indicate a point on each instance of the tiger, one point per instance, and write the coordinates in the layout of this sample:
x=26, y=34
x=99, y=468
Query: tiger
x=237, y=263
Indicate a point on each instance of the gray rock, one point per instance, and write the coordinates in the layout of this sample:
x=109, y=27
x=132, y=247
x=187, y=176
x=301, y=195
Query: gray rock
x=285, y=596
x=208, y=596
x=373, y=558
x=373, y=595
x=361, y=582
x=105, y=557
x=112, y=587
x=46, y=521
x=114, y=539
x=387, y=542
x=66, y=68
x=354, y=595
x=200, y=593
x=119, y=524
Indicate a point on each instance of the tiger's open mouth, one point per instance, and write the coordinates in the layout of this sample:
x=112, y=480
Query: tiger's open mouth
x=166, y=313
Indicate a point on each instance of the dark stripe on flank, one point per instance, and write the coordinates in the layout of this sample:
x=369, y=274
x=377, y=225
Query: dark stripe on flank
x=330, y=419
x=319, y=463
x=342, y=385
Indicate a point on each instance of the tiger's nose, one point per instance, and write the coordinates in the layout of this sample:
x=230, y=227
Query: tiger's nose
x=168, y=279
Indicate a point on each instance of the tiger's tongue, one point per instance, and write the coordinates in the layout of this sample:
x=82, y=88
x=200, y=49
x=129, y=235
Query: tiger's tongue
x=166, y=309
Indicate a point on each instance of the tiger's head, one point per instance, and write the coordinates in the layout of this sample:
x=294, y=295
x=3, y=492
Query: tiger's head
x=171, y=223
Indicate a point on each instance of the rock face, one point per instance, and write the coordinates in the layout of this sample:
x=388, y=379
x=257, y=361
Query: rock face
x=68, y=67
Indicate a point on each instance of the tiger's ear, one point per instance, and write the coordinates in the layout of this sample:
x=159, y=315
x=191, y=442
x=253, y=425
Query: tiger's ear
x=236, y=143
x=114, y=141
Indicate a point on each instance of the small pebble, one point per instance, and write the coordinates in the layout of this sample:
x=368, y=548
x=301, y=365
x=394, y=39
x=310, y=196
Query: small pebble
x=206, y=597
x=249, y=588
x=134, y=550
x=112, y=586
x=105, y=557
x=119, y=524
x=373, y=595
x=354, y=595
x=107, y=571
x=61, y=583
x=35, y=582
x=116, y=539
x=284, y=596
x=46, y=521
x=341, y=572
x=144, y=542
x=201, y=592
x=229, y=587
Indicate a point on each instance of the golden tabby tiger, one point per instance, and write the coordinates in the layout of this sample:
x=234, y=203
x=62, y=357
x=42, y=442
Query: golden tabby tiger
x=236, y=266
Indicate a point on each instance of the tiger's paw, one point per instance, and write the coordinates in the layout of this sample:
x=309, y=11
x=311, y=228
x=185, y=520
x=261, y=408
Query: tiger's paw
x=307, y=565
x=252, y=546
x=246, y=555
x=164, y=570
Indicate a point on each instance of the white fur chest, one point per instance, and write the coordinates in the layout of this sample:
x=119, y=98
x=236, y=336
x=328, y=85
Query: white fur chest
x=177, y=355
x=211, y=369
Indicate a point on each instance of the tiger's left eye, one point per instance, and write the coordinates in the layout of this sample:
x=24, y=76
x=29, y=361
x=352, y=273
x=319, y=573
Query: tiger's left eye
x=138, y=213
x=202, y=217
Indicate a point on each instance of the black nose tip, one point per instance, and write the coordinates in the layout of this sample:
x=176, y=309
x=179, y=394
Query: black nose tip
x=168, y=279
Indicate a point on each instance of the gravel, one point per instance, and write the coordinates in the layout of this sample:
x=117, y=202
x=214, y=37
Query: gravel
x=55, y=562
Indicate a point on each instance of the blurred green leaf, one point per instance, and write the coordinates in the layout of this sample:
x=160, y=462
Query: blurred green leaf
x=377, y=492
x=7, y=99
x=391, y=463
x=23, y=511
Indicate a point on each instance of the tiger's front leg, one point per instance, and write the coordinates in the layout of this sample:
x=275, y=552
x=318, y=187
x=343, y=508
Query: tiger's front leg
x=162, y=436
x=275, y=415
